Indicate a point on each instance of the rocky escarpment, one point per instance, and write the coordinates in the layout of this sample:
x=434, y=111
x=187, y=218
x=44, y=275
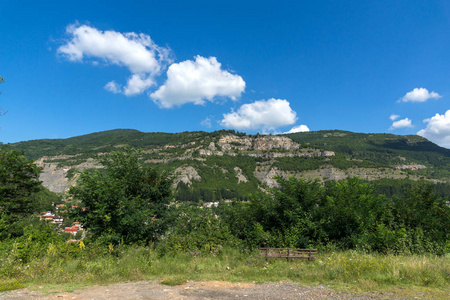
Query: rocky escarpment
x=268, y=151
x=266, y=173
x=257, y=143
x=56, y=178
x=185, y=174
x=410, y=167
x=265, y=146
x=240, y=176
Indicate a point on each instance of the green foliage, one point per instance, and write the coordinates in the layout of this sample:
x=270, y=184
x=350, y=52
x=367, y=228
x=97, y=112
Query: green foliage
x=124, y=201
x=218, y=179
x=70, y=173
x=197, y=230
x=347, y=214
x=350, y=210
x=43, y=199
x=298, y=164
x=19, y=181
x=427, y=216
x=107, y=141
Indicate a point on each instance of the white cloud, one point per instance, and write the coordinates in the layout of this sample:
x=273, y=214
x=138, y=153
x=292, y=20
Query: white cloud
x=206, y=122
x=266, y=115
x=300, y=128
x=403, y=123
x=196, y=81
x=394, y=117
x=419, y=95
x=137, y=84
x=438, y=129
x=113, y=87
x=135, y=51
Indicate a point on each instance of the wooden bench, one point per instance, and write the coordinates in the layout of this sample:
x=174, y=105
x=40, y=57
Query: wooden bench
x=288, y=253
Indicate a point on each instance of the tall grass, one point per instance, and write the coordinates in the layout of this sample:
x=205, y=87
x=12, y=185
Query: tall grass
x=349, y=269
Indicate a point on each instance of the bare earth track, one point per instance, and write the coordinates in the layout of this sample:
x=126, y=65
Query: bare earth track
x=195, y=290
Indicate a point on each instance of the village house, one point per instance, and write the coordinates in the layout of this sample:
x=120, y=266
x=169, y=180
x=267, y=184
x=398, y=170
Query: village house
x=59, y=206
x=76, y=226
x=50, y=217
x=71, y=230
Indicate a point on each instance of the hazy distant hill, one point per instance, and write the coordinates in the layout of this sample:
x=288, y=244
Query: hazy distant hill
x=227, y=164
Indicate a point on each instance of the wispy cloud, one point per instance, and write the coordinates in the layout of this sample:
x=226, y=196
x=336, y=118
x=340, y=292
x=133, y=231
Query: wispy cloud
x=206, y=122
x=394, y=117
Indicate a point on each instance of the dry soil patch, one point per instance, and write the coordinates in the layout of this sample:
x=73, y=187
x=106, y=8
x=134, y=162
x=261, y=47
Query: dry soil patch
x=194, y=290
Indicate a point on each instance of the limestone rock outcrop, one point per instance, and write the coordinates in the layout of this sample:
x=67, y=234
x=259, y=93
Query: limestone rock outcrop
x=185, y=174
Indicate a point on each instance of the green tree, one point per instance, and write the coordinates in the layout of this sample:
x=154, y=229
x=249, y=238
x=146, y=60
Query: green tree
x=351, y=211
x=426, y=217
x=19, y=181
x=125, y=201
x=288, y=213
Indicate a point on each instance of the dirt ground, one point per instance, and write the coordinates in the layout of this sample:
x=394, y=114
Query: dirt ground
x=194, y=290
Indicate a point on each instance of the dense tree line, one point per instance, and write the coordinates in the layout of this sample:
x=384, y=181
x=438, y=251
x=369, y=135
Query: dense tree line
x=347, y=214
x=130, y=202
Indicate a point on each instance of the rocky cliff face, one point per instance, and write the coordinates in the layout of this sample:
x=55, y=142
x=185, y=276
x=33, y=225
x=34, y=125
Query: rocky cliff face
x=259, y=146
x=185, y=174
x=56, y=177
x=258, y=143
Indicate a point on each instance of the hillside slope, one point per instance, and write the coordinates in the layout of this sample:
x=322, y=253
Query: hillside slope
x=227, y=164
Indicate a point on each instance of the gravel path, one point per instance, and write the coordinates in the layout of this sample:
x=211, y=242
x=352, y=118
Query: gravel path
x=195, y=290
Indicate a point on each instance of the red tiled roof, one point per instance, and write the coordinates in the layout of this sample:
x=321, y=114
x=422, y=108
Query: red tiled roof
x=71, y=229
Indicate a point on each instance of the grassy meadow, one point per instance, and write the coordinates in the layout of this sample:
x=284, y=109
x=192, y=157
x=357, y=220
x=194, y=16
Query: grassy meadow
x=407, y=275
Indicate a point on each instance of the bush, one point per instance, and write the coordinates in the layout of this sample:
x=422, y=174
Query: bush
x=197, y=231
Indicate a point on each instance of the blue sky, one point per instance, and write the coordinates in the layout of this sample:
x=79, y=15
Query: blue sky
x=76, y=67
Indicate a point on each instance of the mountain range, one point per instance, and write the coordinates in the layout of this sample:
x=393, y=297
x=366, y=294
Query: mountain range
x=226, y=164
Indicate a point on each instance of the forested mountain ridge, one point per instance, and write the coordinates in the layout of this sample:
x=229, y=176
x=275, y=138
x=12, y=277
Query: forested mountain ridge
x=228, y=164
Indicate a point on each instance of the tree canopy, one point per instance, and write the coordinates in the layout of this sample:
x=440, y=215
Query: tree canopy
x=19, y=181
x=124, y=200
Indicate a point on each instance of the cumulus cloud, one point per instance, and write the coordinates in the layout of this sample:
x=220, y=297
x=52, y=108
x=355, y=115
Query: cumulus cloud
x=196, y=81
x=394, y=117
x=403, y=123
x=300, y=128
x=438, y=129
x=137, y=52
x=138, y=83
x=419, y=95
x=266, y=115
